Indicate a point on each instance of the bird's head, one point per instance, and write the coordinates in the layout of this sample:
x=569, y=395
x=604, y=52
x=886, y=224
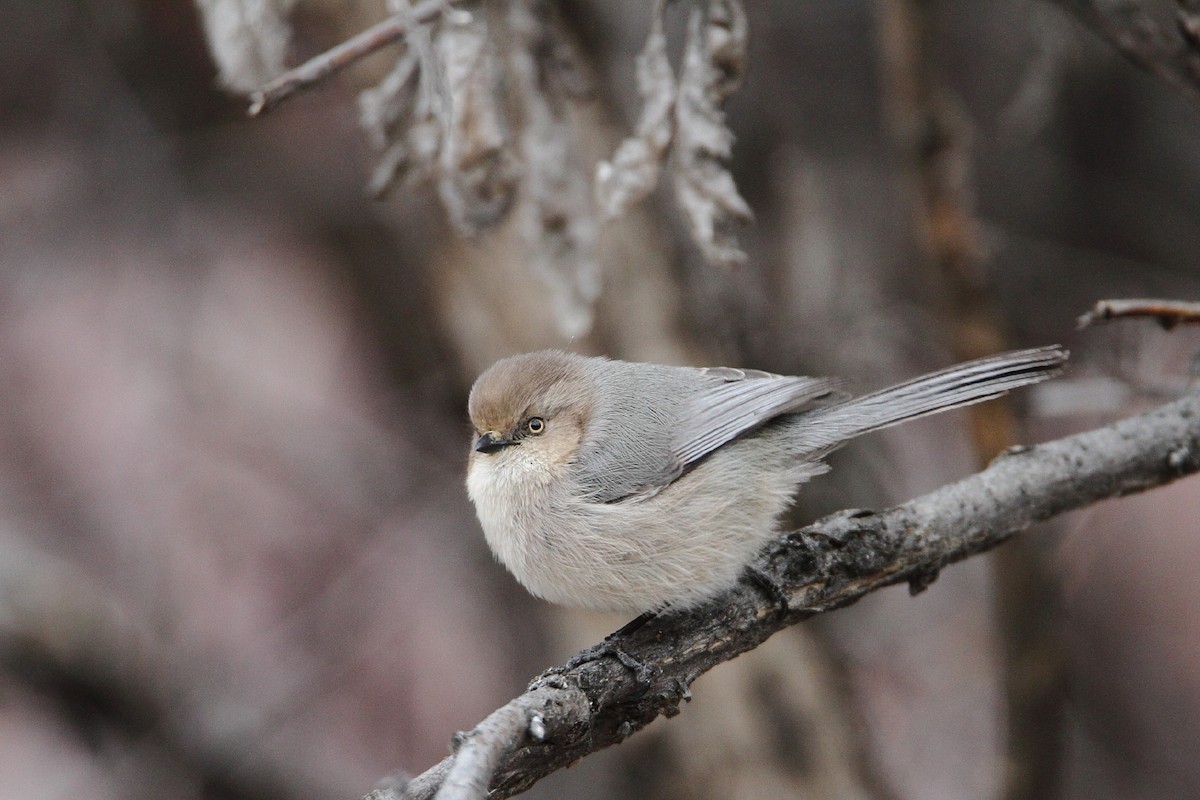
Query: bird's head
x=531, y=410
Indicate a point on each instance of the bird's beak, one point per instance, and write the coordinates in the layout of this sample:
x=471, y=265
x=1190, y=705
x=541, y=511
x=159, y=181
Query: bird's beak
x=490, y=442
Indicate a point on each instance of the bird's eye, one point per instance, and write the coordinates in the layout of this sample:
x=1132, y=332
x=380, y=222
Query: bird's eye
x=535, y=425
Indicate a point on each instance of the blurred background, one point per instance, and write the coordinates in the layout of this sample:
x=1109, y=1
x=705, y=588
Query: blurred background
x=236, y=555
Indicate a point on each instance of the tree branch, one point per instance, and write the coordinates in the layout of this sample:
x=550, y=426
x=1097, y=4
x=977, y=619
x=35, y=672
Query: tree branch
x=1168, y=313
x=567, y=714
x=1171, y=52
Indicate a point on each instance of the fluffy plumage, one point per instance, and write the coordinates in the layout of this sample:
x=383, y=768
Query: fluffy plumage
x=632, y=487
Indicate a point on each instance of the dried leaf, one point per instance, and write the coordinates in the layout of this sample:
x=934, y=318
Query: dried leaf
x=556, y=216
x=399, y=116
x=438, y=113
x=635, y=166
x=477, y=177
x=713, y=63
x=392, y=166
x=248, y=39
x=385, y=110
x=424, y=133
x=726, y=37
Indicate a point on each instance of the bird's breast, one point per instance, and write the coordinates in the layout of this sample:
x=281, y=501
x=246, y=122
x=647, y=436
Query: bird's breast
x=513, y=497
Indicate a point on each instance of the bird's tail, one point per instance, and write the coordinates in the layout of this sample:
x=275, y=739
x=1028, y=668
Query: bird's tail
x=826, y=428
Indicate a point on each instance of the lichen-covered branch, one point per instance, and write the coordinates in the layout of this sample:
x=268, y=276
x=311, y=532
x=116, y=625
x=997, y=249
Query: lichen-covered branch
x=567, y=715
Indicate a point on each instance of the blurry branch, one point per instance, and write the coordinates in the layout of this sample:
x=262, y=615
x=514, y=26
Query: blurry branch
x=63, y=637
x=1143, y=32
x=934, y=140
x=568, y=713
x=1168, y=313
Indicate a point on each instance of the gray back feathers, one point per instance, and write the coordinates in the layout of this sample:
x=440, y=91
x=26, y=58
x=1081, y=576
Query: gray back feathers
x=653, y=422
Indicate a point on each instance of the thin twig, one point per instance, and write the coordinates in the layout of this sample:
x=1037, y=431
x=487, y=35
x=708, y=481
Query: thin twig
x=332, y=61
x=828, y=565
x=1169, y=313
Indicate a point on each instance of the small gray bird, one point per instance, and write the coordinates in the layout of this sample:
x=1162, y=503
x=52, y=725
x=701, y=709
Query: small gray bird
x=632, y=487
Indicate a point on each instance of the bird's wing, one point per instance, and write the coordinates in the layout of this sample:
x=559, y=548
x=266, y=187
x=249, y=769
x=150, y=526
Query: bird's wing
x=741, y=402
x=652, y=438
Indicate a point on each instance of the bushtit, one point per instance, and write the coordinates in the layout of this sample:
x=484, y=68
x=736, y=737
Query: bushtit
x=635, y=487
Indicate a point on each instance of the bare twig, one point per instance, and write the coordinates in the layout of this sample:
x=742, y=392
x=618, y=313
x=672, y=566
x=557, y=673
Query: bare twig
x=332, y=61
x=828, y=565
x=1168, y=313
